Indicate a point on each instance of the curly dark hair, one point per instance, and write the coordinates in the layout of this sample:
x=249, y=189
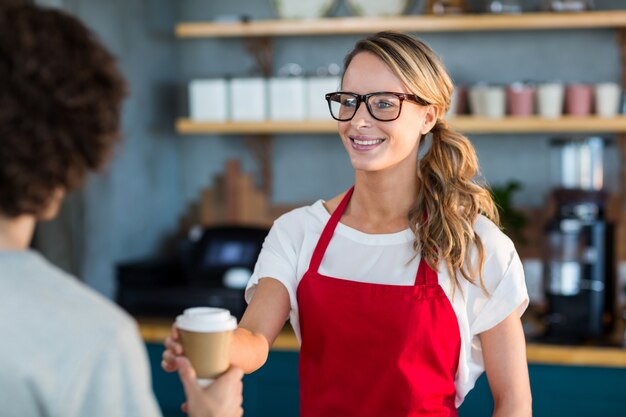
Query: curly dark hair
x=60, y=99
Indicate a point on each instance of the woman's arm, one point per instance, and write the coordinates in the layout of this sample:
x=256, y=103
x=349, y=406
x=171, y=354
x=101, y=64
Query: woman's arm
x=262, y=321
x=504, y=352
x=260, y=325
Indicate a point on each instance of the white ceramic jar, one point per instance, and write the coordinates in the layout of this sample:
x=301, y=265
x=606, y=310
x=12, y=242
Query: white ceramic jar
x=248, y=99
x=287, y=98
x=208, y=100
x=317, y=87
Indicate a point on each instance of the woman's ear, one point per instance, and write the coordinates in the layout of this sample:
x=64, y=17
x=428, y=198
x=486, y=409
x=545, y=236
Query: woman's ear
x=430, y=119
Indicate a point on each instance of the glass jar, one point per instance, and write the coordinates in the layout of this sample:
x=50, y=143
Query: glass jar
x=445, y=7
x=568, y=5
x=504, y=6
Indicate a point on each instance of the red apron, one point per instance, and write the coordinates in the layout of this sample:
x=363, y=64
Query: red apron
x=375, y=349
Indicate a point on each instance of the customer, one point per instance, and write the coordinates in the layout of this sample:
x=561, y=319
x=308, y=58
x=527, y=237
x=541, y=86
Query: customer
x=402, y=290
x=66, y=351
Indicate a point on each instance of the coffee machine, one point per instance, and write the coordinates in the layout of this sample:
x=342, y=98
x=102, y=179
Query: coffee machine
x=579, y=265
x=200, y=273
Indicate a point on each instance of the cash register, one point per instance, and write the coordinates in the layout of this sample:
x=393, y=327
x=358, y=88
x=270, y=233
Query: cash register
x=210, y=269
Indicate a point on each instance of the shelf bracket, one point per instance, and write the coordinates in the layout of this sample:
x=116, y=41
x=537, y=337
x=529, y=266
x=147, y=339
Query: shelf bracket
x=261, y=148
x=262, y=50
x=620, y=140
x=621, y=42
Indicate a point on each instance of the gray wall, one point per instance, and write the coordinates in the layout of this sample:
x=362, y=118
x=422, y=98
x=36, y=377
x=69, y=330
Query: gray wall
x=309, y=167
x=133, y=208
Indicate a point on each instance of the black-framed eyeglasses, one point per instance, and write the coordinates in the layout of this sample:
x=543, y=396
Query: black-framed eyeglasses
x=384, y=106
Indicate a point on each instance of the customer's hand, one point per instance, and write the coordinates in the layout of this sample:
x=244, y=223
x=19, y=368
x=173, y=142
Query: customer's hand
x=173, y=349
x=223, y=398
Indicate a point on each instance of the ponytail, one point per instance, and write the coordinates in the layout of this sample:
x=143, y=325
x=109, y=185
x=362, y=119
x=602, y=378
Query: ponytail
x=449, y=196
x=449, y=199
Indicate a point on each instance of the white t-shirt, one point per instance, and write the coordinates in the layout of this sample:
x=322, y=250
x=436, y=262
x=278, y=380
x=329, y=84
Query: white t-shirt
x=359, y=256
x=67, y=351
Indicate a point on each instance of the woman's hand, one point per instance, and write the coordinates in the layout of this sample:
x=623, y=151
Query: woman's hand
x=173, y=349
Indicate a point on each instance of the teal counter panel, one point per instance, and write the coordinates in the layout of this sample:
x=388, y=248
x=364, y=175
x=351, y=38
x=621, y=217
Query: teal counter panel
x=557, y=390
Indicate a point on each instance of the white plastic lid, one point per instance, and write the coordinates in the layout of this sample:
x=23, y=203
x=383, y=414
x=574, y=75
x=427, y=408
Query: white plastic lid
x=206, y=319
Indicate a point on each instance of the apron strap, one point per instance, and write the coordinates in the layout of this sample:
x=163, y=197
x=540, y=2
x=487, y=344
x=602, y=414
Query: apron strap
x=425, y=274
x=327, y=234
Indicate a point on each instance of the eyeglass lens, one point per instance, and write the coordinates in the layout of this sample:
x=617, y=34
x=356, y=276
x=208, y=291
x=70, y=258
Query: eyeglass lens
x=381, y=106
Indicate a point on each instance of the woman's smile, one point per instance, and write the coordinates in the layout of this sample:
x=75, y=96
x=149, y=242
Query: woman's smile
x=365, y=143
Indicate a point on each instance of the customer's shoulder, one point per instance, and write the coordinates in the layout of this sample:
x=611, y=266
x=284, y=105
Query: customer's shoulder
x=55, y=302
x=83, y=306
x=96, y=308
x=96, y=320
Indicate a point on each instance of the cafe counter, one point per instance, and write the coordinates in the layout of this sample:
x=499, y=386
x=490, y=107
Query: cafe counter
x=565, y=380
x=155, y=330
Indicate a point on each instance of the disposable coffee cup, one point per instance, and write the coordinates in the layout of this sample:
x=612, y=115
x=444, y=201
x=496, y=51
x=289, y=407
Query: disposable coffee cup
x=206, y=334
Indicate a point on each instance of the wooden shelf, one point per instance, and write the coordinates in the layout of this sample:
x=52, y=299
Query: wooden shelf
x=187, y=126
x=465, y=124
x=566, y=124
x=414, y=23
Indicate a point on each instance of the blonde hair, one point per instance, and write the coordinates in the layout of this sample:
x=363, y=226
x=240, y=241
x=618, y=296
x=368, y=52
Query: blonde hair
x=450, y=195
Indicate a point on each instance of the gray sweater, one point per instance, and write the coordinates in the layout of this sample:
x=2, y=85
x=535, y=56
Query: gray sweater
x=65, y=350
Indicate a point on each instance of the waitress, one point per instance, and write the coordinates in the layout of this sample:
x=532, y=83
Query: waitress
x=403, y=289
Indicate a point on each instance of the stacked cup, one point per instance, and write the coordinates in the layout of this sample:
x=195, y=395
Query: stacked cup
x=487, y=100
x=607, y=99
x=578, y=99
x=549, y=100
x=550, y=97
x=520, y=99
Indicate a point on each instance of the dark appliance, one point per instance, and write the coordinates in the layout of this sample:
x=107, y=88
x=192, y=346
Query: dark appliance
x=163, y=287
x=580, y=264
